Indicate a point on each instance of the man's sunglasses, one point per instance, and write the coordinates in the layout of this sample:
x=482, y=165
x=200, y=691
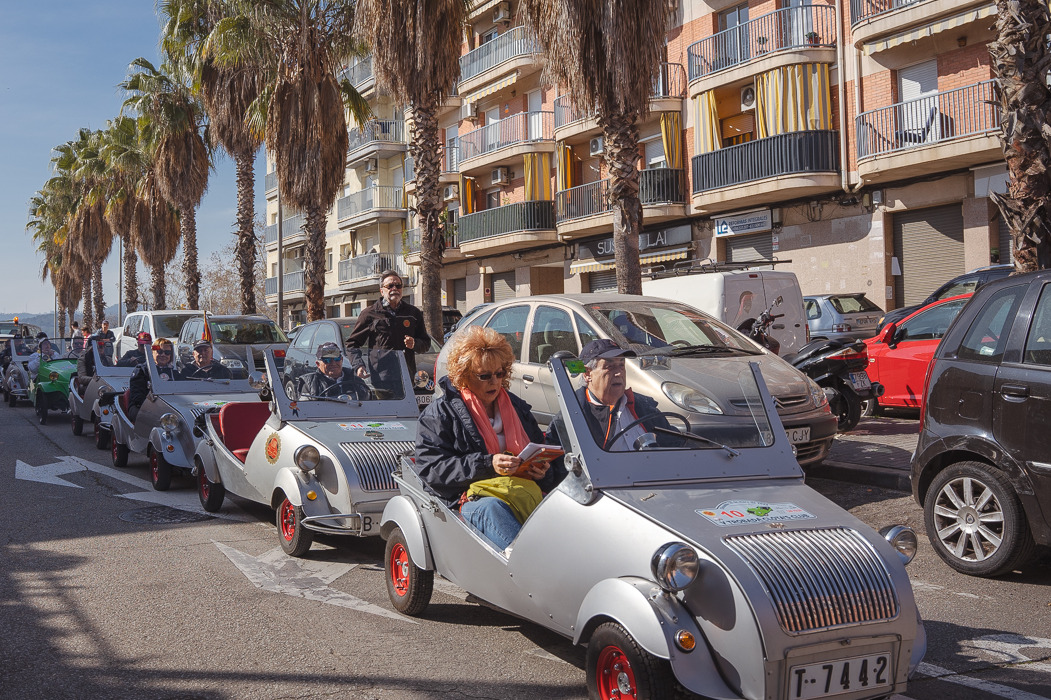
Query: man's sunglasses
x=486, y=376
x=393, y=286
x=328, y=360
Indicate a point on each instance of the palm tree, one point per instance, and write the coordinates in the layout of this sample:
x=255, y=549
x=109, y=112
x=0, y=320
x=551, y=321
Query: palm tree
x=296, y=47
x=171, y=120
x=415, y=46
x=607, y=55
x=227, y=92
x=127, y=162
x=1020, y=57
x=155, y=229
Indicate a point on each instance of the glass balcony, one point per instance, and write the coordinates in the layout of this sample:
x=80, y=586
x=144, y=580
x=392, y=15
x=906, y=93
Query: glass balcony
x=801, y=27
x=510, y=218
x=291, y=230
x=365, y=270
x=451, y=157
x=294, y=282
x=410, y=169
x=511, y=44
x=379, y=198
x=360, y=73
x=377, y=130
x=523, y=127
x=413, y=243
x=936, y=118
x=656, y=186
x=784, y=154
x=271, y=181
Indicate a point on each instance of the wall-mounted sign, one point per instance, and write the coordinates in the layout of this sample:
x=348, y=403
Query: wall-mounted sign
x=603, y=248
x=755, y=221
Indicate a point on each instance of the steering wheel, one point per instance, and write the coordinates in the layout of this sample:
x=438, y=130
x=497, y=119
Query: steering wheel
x=681, y=344
x=629, y=426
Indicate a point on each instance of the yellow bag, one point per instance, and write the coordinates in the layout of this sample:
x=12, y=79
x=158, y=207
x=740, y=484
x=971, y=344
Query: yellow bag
x=523, y=495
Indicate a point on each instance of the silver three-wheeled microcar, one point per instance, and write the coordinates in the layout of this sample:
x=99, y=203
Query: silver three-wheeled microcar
x=698, y=559
x=92, y=405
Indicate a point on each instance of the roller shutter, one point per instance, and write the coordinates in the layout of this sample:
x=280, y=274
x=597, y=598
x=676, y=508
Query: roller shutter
x=1004, y=237
x=928, y=244
x=603, y=281
x=755, y=246
x=460, y=295
x=504, y=286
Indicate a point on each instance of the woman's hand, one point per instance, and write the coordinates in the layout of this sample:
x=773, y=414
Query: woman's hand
x=533, y=470
x=506, y=465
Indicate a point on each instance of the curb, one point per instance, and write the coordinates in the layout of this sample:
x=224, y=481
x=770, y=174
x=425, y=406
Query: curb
x=882, y=477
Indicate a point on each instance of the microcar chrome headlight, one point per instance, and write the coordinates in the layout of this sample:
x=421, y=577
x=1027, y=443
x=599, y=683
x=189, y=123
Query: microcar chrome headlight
x=306, y=457
x=53, y=376
x=690, y=399
x=169, y=422
x=817, y=394
x=675, y=566
x=903, y=539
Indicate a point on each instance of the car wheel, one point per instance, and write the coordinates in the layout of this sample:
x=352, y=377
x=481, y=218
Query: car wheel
x=847, y=407
x=160, y=470
x=408, y=586
x=12, y=399
x=870, y=408
x=618, y=667
x=102, y=436
x=975, y=521
x=77, y=423
x=211, y=493
x=120, y=454
x=290, y=390
x=41, y=407
x=295, y=539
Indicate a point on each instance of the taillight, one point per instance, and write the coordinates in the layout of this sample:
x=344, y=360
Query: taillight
x=841, y=328
x=926, y=386
x=279, y=353
x=849, y=353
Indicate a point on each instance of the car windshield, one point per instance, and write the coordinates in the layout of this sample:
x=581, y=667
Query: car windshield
x=852, y=304
x=666, y=328
x=350, y=377
x=169, y=326
x=245, y=332
x=161, y=385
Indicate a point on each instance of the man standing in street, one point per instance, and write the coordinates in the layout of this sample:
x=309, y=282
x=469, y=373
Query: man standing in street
x=389, y=324
x=105, y=333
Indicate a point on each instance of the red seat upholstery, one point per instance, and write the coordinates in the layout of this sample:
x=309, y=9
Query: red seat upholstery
x=240, y=423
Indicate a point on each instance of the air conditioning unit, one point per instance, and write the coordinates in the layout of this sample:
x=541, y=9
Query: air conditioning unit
x=747, y=97
x=502, y=13
x=469, y=111
x=371, y=165
x=501, y=176
x=596, y=147
x=450, y=193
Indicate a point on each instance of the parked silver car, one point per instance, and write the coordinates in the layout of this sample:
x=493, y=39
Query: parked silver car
x=658, y=330
x=841, y=316
x=712, y=566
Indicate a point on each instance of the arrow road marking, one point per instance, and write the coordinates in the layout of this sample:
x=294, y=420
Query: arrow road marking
x=1004, y=691
x=279, y=573
x=1008, y=647
x=48, y=473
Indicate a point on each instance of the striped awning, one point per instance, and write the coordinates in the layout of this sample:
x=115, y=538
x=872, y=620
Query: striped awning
x=651, y=259
x=931, y=29
x=491, y=88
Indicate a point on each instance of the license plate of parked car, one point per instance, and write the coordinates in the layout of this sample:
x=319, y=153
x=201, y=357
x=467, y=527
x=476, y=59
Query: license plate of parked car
x=423, y=399
x=860, y=380
x=798, y=435
x=834, y=677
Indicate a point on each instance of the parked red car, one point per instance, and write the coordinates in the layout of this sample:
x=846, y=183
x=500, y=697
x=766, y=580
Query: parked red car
x=900, y=355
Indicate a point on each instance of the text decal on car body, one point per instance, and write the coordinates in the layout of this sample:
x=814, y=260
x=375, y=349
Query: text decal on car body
x=372, y=426
x=730, y=513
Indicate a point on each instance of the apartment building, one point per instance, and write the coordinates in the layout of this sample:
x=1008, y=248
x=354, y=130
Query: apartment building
x=855, y=139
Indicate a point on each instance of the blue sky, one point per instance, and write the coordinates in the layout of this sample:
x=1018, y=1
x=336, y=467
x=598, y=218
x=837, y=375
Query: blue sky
x=63, y=60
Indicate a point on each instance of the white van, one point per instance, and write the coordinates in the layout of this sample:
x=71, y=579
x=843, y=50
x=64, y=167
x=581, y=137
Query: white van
x=737, y=296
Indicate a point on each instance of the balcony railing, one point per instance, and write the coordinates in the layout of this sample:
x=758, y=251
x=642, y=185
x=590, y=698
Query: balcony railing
x=368, y=267
x=510, y=218
x=410, y=169
x=360, y=72
x=784, y=154
x=271, y=181
x=413, y=244
x=513, y=43
x=294, y=282
x=517, y=128
x=670, y=82
x=863, y=9
x=656, y=186
x=934, y=118
x=788, y=28
x=451, y=158
x=385, y=130
x=375, y=197
x=290, y=227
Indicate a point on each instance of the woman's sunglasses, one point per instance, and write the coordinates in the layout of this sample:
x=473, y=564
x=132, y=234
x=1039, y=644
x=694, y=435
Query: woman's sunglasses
x=158, y=351
x=486, y=376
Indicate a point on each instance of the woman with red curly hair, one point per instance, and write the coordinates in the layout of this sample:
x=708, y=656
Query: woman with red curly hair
x=475, y=430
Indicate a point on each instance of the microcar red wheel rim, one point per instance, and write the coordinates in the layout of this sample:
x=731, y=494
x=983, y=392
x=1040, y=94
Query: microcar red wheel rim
x=614, y=675
x=154, y=467
x=113, y=450
x=399, y=569
x=206, y=487
x=288, y=520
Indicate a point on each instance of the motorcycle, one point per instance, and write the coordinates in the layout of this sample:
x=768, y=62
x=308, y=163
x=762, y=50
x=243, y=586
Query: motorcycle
x=838, y=367
x=759, y=329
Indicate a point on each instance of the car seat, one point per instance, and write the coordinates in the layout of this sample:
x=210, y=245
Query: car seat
x=240, y=422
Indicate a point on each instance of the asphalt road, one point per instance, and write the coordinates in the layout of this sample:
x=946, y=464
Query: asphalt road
x=112, y=590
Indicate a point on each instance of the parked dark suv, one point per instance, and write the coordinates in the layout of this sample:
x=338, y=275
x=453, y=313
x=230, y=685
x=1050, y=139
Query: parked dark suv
x=962, y=284
x=982, y=467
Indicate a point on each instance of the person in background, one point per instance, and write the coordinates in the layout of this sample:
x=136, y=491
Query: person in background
x=331, y=378
x=139, y=384
x=105, y=333
x=475, y=431
x=203, y=365
x=76, y=340
x=86, y=367
x=133, y=358
x=44, y=352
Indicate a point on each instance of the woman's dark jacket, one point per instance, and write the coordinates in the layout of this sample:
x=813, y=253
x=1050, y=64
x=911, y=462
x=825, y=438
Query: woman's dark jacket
x=451, y=454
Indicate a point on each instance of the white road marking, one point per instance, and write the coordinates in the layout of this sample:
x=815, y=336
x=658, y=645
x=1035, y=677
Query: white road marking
x=48, y=473
x=540, y=653
x=1003, y=691
x=923, y=587
x=300, y=578
x=1007, y=648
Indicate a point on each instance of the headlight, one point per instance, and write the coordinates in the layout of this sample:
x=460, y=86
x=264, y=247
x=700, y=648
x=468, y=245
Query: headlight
x=231, y=362
x=169, y=422
x=306, y=457
x=100, y=392
x=817, y=394
x=690, y=399
x=902, y=539
x=53, y=376
x=675, y=566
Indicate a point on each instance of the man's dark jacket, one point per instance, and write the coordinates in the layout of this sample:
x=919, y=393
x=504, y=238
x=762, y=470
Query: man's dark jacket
x=451, y=454
x=132, y=358
x=139, y=384
x=213, y=371
x=639, y=405
x=318, y=384
x=377, y=328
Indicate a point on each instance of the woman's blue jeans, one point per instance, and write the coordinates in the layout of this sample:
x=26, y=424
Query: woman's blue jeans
x=493, y=518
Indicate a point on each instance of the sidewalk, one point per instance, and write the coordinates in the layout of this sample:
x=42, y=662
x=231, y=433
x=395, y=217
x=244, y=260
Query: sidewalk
x=877, y=452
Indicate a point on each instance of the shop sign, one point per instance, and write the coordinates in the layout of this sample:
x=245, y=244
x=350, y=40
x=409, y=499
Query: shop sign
x=603, y=248
x=755, y=221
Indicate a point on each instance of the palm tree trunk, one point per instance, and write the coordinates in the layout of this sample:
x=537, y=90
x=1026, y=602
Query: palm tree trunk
x=97, y=298
x=621, y=137
x=61, y=322
x=315, y=263
x=72, y=311
x=89, y=317
x=131, y=282
x=158, y=286
x=188, y=224
x=426, y=149
x=1020, y=56
x=246, y=231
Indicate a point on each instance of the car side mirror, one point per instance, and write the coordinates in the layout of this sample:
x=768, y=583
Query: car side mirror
x=256, y=381
x=887, y=336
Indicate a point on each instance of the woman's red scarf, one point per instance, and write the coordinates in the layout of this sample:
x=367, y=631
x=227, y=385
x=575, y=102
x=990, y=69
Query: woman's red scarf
x=514, y=433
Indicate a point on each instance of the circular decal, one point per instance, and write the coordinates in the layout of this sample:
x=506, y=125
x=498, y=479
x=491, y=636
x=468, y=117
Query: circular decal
x=272, y=449
x=406, y=323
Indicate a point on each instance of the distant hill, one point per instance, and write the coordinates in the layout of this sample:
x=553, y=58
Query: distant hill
x=47, y=321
